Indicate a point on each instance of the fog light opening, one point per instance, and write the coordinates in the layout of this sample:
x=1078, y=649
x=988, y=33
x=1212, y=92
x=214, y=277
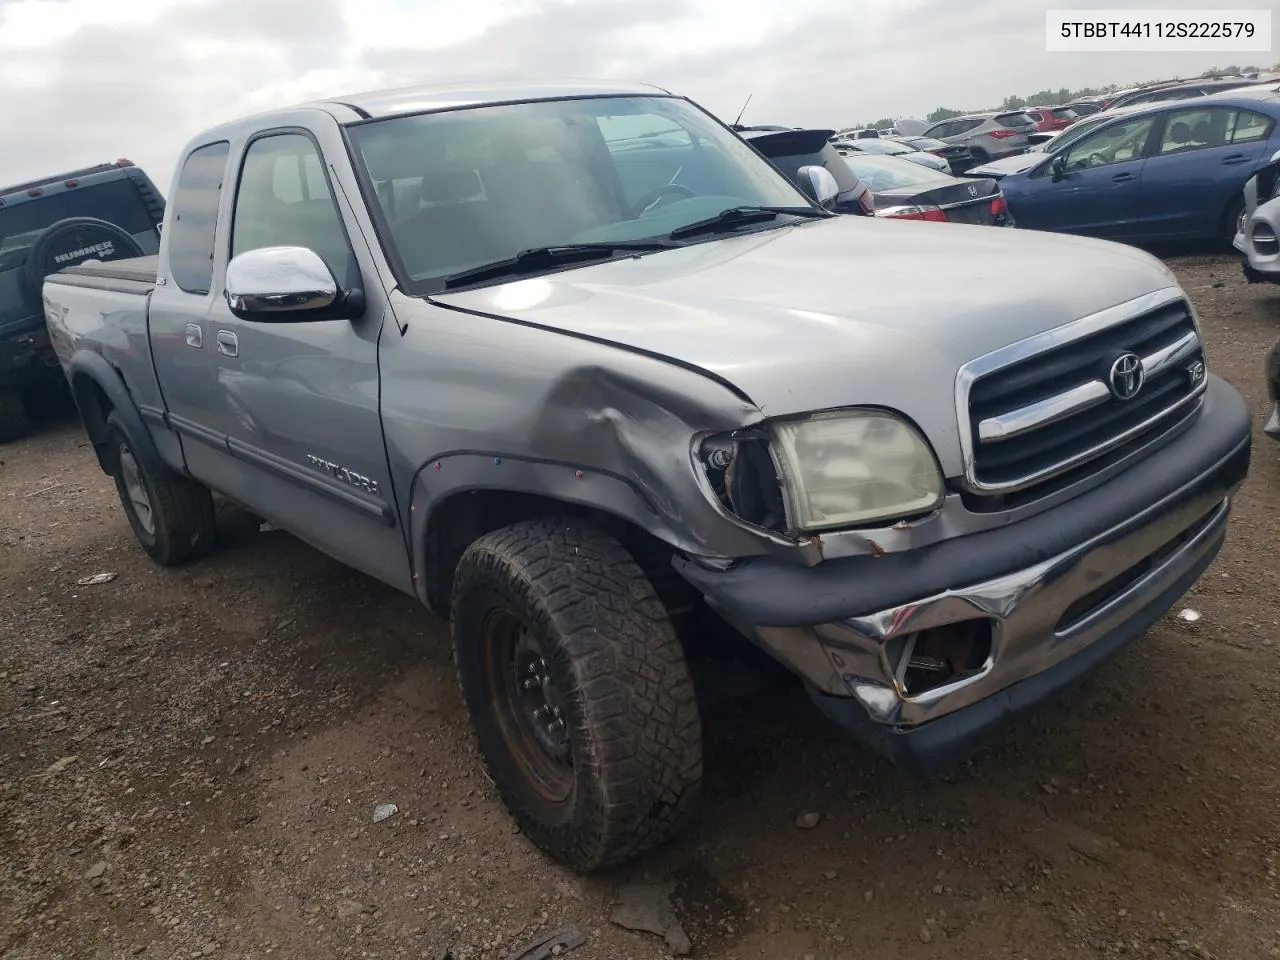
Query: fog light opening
x=943, y=655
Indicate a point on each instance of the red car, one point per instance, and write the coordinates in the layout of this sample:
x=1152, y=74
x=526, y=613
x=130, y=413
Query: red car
x=1050, y=119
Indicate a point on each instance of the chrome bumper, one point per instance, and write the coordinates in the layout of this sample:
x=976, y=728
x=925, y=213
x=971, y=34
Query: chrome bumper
x=855, y=658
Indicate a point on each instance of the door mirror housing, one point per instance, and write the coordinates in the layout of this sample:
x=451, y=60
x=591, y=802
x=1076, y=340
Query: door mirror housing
x=287, y=285
x=1275, y=157
x=1058, y=167
x=819, y=185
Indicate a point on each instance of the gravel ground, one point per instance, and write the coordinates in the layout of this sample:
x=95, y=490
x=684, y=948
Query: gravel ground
x=190, y=760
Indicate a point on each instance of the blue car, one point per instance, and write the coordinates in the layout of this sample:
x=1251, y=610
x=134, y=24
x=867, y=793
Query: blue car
x=1170, y=171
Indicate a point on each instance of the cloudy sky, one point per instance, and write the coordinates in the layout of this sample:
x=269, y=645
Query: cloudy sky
x=90, y=80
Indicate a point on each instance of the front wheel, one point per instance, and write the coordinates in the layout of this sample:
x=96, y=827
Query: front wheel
x=578, y=689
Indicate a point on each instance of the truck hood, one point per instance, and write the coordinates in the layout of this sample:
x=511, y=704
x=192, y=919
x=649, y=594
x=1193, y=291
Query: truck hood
x=837, y=312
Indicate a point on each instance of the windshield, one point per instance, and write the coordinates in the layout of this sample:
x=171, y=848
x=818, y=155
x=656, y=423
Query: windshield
x=927, y=143
x=466, y=188
x=1076, y=131
x=887, y=173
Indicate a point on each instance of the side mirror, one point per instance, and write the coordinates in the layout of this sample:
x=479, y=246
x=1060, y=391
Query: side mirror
x=1275, y=157
x=286, y=285
x=819, y=185
x=1058, y=167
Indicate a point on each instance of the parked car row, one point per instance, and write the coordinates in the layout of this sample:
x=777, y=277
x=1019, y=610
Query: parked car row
x=1172, y=170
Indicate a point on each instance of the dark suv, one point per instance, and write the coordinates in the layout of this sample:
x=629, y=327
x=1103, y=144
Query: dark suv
x=790, y=150
x=106, y=212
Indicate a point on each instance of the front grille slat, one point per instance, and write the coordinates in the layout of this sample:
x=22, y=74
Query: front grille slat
x=1033, y=452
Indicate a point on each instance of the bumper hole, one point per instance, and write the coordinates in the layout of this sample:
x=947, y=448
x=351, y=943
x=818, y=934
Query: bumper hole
x=942, y=655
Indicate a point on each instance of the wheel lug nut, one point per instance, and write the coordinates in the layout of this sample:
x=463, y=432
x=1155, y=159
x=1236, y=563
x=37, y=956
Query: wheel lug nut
x=556, y=726
x=532, y=683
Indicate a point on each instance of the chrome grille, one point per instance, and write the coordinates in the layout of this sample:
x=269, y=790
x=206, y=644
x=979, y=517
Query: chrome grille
x=1048, y=411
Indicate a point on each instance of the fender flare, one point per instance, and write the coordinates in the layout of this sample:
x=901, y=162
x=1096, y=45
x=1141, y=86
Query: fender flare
x=461, y=472
x=93, y=367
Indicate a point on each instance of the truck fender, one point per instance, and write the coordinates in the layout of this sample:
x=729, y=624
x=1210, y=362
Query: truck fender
x=88, y=370
x=440, y=483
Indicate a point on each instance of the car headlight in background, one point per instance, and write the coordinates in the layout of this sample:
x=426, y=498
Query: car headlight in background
x=835, y=469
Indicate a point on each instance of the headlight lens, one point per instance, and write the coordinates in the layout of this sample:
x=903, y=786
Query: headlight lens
x=850, y=467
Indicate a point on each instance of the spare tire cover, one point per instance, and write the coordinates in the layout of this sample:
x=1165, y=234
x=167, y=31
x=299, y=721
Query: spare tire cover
x=75, y=240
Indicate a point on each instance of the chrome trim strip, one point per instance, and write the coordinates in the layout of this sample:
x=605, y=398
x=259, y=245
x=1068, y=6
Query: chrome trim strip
x=1078, y=398
x=1039, y=343
x=1174, y=353
x=971, y=202
x=1035, y=415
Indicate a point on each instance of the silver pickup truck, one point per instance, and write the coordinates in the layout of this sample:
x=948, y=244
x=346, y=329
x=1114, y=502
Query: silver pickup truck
x=566, y=362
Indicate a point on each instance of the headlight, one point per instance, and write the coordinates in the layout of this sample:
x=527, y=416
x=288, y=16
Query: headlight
x=851, y=467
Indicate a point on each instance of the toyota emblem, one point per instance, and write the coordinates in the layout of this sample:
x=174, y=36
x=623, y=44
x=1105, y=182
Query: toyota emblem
x=1127, y=376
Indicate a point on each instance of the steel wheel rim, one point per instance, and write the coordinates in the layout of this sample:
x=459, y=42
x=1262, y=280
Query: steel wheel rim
x=530, y=709
x=136, y=490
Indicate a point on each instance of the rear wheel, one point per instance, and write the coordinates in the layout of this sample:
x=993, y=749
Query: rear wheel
x=578, y=689
x=171, y=515
x=15, y=422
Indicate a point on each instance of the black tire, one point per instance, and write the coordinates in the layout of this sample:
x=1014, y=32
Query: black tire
x=72, y=241
x=15, y=422
x=1230, y=217
x=629, y=772
x=180, y=526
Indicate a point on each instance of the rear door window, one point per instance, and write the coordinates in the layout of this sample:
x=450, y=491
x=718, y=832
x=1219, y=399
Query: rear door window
x=1195, y=129
x=1246, y=126
x=1015, y=120
x=195, y=217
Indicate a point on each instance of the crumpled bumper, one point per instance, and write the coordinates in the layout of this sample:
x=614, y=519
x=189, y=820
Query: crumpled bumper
x=1045, y=600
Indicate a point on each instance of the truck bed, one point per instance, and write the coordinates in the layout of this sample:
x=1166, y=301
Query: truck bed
x=136, y=275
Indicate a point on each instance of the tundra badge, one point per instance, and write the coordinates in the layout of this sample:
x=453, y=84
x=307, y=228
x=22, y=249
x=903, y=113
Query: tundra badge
x=342, y=473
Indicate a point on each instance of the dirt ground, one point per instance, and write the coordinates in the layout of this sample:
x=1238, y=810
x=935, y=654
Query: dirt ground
x=190, y=760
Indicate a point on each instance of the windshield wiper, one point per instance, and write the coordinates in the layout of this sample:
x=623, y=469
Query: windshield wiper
x=738, y=216
x=542, y=258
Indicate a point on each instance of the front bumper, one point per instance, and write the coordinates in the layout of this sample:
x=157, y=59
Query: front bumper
x=1053, y=595
x=1261, y=265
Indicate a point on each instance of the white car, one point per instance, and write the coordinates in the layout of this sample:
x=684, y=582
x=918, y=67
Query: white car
x=1258, y=230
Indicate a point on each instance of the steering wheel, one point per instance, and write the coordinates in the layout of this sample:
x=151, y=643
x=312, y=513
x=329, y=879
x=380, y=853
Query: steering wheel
x=1096, y=159
x=651, y=198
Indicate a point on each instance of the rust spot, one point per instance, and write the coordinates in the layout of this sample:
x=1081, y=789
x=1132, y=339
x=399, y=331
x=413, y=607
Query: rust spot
x=876, y=549
x=900, y=525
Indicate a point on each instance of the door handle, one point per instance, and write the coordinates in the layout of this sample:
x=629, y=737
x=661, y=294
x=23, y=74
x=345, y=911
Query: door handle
x=228, y=343
x=195, y=336
x=1235, y=158
x=1123, y=177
